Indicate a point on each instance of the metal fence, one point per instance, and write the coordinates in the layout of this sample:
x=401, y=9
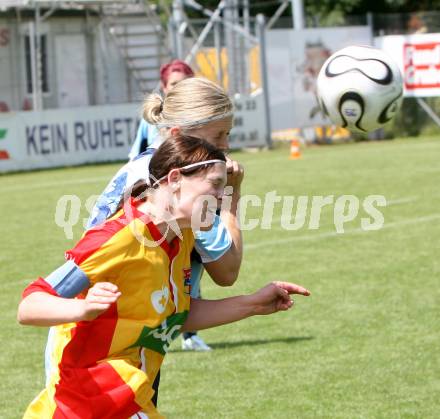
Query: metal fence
x=412, y=119
x=381, y=23
x=103, y=63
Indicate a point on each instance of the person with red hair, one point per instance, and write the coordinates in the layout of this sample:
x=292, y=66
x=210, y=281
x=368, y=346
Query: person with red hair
x=170, y=74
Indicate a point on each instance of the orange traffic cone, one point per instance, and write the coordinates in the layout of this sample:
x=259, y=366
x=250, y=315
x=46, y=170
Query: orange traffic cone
x=295, y=152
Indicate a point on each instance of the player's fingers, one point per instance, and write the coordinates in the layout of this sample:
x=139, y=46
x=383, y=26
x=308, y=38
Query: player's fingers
x=104, y=293
x=102, y=300
x=229, y=165
x=96, y=309
x=233, y=168
x=291, y=303
x=106, y=286
x=292, y=288
x=281, y=294
x=236, y=167
x=285, y=305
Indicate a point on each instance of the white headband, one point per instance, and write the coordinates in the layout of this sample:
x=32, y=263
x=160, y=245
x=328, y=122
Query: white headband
x=189, y=166
x=204, y=121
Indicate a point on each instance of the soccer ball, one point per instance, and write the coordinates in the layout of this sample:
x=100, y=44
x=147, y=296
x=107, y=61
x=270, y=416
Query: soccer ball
x=360, y=88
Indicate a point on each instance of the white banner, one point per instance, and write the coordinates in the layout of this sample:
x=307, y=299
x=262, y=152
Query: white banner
x=418, y=57
x=249, y=122
x=67, y=137
x=294, y=59
x=32, y=140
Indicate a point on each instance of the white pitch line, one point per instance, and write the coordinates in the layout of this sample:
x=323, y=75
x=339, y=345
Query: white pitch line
x=402, y=200
x=329, y=234
x=30, y=187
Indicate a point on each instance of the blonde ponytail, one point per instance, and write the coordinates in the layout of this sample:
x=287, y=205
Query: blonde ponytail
x=152, y=109
x=192, y=103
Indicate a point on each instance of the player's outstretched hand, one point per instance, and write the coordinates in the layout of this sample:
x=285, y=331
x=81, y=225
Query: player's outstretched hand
x=99, y=298
x=276, y=297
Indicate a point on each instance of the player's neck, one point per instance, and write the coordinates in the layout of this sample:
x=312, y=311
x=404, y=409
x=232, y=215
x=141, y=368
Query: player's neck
x=165, y=221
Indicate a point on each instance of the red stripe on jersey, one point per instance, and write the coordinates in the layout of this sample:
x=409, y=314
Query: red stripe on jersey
x=95, y=238
x=158, y=237
x=97, y=392
x=87, y=388
x=171, y=248
x=154, y=231
x=40, y=285
x=174, y=248
x=91, y=340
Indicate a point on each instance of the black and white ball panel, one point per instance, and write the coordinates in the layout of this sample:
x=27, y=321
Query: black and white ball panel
x=375, y=69
x=360, y=88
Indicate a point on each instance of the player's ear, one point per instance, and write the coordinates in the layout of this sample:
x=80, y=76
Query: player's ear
x=174, y=131
x=174, y=178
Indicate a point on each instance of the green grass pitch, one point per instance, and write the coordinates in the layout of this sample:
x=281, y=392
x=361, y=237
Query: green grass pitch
x=364, y=345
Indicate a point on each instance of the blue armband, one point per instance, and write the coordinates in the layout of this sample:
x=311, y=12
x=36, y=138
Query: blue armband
x=68, y=280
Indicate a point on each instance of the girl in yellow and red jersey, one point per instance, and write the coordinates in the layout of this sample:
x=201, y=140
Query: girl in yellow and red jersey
x=123, y=294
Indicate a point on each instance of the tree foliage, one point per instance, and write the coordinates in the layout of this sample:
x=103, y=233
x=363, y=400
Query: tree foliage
x=325, y=7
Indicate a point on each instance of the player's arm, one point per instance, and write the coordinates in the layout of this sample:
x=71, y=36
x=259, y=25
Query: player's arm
x=51, y=301
x=224, y=270
x=41, y=308
x=273, y=297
